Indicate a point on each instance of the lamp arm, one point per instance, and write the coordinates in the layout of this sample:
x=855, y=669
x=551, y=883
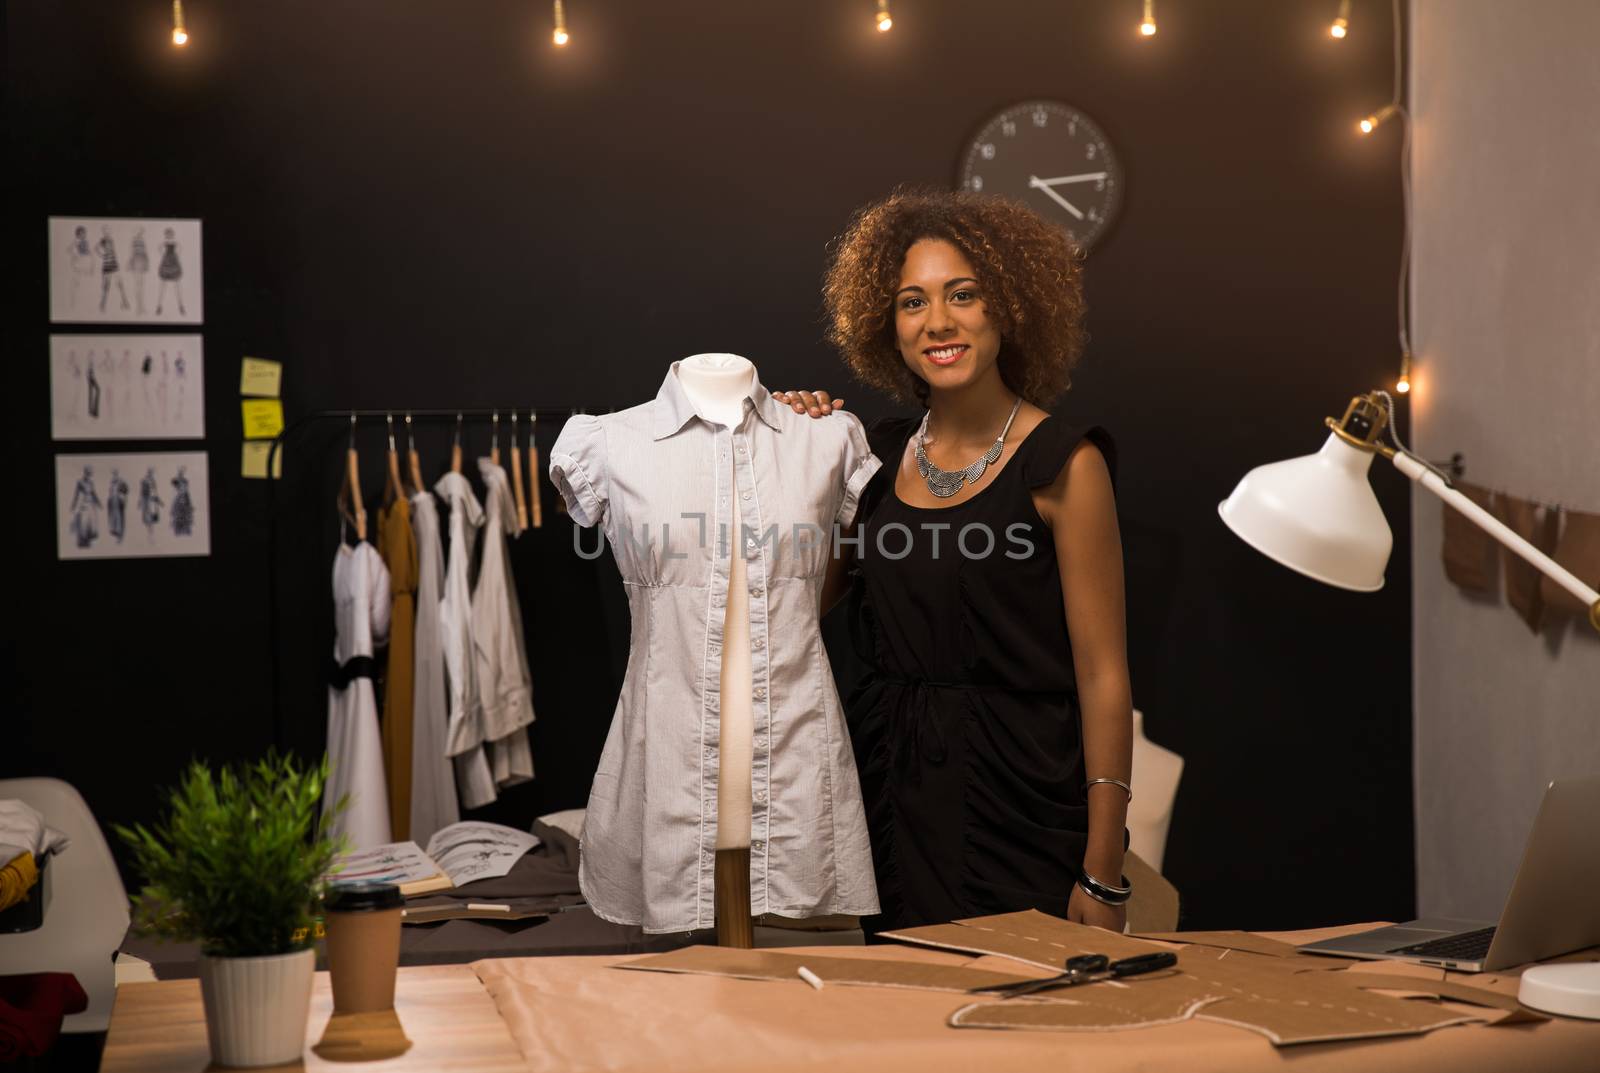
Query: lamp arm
x=1416, y=470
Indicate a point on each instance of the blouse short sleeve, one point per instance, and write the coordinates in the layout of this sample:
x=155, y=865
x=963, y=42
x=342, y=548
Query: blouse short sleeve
x=859, y=466
x=578, y=468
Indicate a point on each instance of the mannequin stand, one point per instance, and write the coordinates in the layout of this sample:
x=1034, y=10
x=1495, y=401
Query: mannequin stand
x=733, y=899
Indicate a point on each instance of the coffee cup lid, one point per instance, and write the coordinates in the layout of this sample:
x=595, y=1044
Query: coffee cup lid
x=363, y=895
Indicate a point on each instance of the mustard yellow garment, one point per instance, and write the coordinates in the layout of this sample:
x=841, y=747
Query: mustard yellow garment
x=17, y=879
x=398, y=546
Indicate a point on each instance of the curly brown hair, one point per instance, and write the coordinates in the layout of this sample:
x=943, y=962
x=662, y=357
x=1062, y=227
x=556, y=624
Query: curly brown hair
x=1029, y=270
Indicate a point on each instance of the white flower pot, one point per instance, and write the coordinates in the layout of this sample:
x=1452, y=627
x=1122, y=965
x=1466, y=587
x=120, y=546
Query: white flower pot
x=256, y=1008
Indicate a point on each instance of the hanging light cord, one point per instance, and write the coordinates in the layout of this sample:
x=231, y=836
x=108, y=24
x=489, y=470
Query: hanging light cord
x=1404, y=302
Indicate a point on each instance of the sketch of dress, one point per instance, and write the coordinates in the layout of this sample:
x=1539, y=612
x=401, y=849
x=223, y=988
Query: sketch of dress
x=161, y=388
x=139, y=265
x=125, y=374
x=116, y=506
x=149, y=503
x=76, y=388
x=170, y=271
x=85, y=510
x=180, y=371
x=94, y=391
x=82, y=260
x=182, y=506
x=107, y=249
x=145, y=369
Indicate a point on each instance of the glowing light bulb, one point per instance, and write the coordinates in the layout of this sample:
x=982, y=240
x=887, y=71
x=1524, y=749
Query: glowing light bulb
x=1341, y=24
x=1375, y=120
x=1402, y=386
x=885, y=20
x=560, y=36
x=1148, y=26
x=180, y=35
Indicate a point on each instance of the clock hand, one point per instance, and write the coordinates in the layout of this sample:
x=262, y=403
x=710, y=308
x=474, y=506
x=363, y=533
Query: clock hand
x=1038, y=184
x=1085, y=177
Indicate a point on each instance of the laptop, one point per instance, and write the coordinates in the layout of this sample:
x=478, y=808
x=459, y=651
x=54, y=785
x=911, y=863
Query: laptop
x=1553, y=907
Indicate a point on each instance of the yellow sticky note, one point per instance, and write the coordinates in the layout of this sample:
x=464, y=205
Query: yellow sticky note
x=258, y=376
x=255, y=459
x=263, y=418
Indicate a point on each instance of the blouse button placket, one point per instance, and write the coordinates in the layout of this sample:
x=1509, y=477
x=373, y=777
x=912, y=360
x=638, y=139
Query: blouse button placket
x=755, y=555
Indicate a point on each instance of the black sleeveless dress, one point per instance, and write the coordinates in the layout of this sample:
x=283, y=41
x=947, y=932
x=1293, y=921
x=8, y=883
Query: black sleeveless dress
x=966, y=726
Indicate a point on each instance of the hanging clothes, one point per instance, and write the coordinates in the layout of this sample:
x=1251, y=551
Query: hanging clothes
x=355, y=749
x=465, y=733
x=433, y=780
x=398, y=546
x=503, y=683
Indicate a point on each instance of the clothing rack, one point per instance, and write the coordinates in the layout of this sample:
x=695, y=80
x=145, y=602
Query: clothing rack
x=377, y=420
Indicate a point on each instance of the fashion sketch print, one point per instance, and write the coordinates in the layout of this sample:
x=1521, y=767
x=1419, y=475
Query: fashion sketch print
x=132, y=505
x=125, y=271
x=127, y=387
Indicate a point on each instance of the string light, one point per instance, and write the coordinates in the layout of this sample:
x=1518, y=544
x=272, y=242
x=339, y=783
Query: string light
x=1375, y=120
x=1148, y=26
x=1341, y=24
x=559, y=36
x=180, y=35
x=885, y=20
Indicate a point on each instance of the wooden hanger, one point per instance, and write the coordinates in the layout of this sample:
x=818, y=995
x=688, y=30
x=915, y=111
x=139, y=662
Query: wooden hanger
x=494, y=441
x=393, y=487
x=351, y=509
x=455, y=448
x=412, y=462
x=516, y=476
x=535, y=515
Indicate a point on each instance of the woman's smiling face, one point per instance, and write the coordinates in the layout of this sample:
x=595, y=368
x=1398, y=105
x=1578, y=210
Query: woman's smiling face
x=944, y=333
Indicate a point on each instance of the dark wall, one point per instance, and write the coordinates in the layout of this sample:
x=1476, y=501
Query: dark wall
x=424, y=205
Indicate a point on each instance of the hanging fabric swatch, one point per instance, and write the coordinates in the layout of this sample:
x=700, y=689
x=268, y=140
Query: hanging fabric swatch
x=1579, y=551
x=1471, y=556
x=1538, y=526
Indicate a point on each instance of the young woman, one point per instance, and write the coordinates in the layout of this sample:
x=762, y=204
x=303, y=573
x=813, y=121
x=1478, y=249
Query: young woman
x=993, y=731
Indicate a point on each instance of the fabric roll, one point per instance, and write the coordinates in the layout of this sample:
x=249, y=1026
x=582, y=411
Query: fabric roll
x=1579, y=551
x=1538, y=526
x=17, y=879
x=398, y=546
x=1471, y=558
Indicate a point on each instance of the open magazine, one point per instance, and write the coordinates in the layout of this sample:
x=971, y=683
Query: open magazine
x=456, y=855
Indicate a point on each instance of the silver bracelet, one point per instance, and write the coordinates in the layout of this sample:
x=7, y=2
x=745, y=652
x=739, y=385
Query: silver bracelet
x=1105, y=892
x=1114, y=782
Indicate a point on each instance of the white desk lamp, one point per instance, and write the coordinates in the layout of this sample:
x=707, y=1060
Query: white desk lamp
x=1317, y=514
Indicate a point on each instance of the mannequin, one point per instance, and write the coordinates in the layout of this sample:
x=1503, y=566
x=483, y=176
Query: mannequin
x=1156, y=772
x=718, y=384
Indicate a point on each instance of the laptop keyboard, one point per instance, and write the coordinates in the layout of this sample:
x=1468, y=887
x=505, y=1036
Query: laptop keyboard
x=1467, y=946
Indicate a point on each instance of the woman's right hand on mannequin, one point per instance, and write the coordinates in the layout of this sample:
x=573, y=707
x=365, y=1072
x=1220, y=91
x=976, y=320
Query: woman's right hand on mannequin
x=815, y=403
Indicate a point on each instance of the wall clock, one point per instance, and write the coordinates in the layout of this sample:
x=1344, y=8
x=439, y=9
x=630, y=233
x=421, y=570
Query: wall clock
x=1052, y=157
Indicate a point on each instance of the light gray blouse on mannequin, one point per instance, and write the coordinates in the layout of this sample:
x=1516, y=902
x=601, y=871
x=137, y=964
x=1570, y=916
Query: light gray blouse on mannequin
x=653, y=477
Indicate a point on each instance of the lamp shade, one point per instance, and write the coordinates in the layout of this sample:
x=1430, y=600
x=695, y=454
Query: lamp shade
x=1316, y=514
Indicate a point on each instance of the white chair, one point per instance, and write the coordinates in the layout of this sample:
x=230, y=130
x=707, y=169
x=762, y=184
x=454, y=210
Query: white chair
x=1156, y=772
x=86, y=912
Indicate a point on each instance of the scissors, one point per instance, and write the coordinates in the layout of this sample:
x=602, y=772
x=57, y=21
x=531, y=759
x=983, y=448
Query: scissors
x=1086, y=969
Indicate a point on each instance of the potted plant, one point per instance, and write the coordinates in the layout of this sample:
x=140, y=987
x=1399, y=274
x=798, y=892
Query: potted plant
x=237, y=864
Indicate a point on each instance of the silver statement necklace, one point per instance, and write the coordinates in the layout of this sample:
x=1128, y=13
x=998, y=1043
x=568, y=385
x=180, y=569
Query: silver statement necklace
x=945, y=483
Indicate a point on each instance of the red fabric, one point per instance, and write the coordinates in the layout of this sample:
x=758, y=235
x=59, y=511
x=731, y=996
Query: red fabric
x=32, y=1007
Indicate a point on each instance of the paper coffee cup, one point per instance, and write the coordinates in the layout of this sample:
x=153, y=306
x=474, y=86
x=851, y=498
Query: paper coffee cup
x=363, y=926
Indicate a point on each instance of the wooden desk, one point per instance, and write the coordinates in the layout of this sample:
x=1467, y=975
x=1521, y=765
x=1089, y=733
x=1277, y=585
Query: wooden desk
x=443, y=1013
x=576, y=1014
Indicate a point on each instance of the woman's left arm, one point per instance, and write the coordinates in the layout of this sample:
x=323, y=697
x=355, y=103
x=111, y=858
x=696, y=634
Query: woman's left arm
x=1082, y=511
